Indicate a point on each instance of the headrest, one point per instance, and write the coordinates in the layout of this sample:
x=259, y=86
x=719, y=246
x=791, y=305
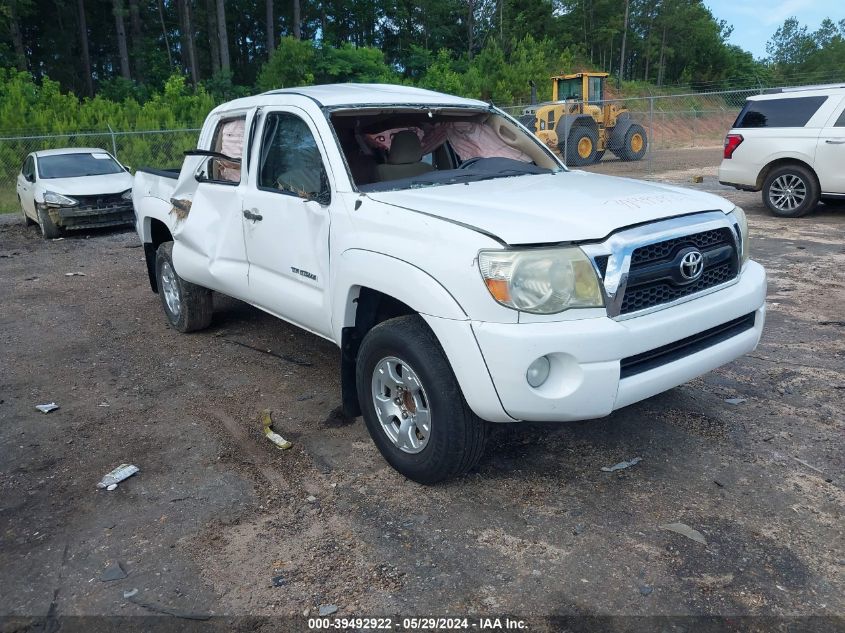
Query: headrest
x=405, y=148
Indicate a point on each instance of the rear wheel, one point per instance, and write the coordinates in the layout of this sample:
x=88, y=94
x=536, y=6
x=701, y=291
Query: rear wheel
x=634, y=143
x=582, y=146
x=49, y=230
x=790, y=191
x=412, y=404
x=188, y=307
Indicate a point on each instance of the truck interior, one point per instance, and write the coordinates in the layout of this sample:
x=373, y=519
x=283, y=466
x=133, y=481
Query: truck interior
x=406, y=147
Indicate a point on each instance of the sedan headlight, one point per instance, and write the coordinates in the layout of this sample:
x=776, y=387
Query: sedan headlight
x=541, y=281
x=58, y=200
x=127, y=195
x=742, y=222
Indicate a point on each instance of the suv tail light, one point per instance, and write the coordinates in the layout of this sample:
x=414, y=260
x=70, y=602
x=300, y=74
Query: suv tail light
x=732, y=141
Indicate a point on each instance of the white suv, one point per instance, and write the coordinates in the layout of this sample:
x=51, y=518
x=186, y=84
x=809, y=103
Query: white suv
x=791, y=146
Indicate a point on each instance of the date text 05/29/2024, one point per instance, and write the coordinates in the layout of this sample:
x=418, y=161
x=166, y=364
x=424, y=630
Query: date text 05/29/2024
x=414, y=624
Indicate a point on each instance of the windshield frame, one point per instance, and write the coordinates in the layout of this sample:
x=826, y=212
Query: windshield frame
x=111, y=160
x=328, y=111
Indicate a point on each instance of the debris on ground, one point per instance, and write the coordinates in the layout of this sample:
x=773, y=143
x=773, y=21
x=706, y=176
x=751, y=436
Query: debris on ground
x=327, y=609
x=124, y=471
x=698, y=179
x=646, y=590
x=129, y=594
x=267, y=424
x=46, y=408
x=808, y=465
x=684, y=530
x=311, y=499
x=74, y=274
x=735, y=400
x=115, y=571
x=622, y=465
x=279, y=581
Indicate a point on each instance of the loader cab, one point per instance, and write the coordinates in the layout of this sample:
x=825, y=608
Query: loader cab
x=587, y=87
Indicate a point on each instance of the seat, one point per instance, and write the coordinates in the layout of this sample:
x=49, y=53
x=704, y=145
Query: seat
x=404, y=159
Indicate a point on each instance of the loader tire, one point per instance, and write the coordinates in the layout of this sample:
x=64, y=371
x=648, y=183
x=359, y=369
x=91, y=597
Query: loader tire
x=582, y=146
x=634, y=144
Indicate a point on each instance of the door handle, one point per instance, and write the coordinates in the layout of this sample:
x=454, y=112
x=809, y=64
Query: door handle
x=830, y=141
x=252, y=214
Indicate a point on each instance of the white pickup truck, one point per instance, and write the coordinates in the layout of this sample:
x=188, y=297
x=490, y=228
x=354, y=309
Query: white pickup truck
x=467, y=276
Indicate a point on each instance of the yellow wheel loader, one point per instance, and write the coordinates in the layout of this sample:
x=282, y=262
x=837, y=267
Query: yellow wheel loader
x=581, y=126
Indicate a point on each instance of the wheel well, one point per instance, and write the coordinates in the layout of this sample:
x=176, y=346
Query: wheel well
x=159, y=234
x=373, y=307
x=782, y=162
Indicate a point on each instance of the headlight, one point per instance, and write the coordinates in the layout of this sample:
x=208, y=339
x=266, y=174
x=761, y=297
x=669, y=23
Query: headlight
x=127, y=195
x=542, y=281
x=58, y=200
x=742, y=221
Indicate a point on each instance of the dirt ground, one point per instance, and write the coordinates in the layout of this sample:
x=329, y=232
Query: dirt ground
x=220, y=522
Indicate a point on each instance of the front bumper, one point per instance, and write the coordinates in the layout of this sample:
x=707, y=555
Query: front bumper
x=71, y=218
x=586, y=354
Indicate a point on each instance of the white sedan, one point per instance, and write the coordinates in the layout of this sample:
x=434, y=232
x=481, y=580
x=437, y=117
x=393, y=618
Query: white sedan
x=64, y=189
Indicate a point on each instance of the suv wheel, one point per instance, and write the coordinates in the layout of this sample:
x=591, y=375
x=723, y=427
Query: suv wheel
x=412, y=404
x=188, y=307
x=791, y=191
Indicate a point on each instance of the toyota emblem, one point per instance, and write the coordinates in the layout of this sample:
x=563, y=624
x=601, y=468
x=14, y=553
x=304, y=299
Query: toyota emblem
x=692, y=265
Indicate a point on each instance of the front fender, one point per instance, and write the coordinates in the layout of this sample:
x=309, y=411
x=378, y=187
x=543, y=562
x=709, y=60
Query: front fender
x=357, y=268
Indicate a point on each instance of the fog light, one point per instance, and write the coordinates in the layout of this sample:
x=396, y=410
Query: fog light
x=538, y=372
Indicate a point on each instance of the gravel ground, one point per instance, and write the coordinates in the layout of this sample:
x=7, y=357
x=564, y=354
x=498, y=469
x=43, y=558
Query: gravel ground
x=219, y=522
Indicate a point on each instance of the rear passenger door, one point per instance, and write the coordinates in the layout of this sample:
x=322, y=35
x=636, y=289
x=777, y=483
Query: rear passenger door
x=830, y=154
x=286, y=220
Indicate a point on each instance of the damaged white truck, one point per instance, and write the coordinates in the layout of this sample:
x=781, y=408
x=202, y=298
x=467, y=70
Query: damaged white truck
x=467, y=276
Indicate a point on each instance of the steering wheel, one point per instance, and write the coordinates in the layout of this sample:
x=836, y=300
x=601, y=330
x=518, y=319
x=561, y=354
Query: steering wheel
x=469, y=162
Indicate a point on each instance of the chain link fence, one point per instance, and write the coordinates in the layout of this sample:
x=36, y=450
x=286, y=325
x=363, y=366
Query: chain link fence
x=683, y=140
x=155, y=148
x=684, y=134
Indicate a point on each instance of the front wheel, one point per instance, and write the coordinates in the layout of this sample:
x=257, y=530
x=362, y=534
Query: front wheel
x=790, y=192
x=582, y=146
x=49, y=230
x=188, y=307
x=412, y=404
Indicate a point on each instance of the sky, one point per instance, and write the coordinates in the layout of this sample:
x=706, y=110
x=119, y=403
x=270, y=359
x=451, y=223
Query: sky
x=755, y=21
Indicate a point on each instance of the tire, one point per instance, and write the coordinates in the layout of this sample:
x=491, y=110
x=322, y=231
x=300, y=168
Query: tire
x=188, y=307
x=582, y=146
x=49, y=230
x=634, y=143
x=28, y=221
x=454, y=438
x=791, y=191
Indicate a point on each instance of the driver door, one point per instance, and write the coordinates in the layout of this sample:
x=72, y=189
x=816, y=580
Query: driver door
x=26, y=187
x=286, y=222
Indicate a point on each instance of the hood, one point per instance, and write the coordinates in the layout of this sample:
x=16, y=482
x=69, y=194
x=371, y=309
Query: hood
x=564, y=207
x=88, y=185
